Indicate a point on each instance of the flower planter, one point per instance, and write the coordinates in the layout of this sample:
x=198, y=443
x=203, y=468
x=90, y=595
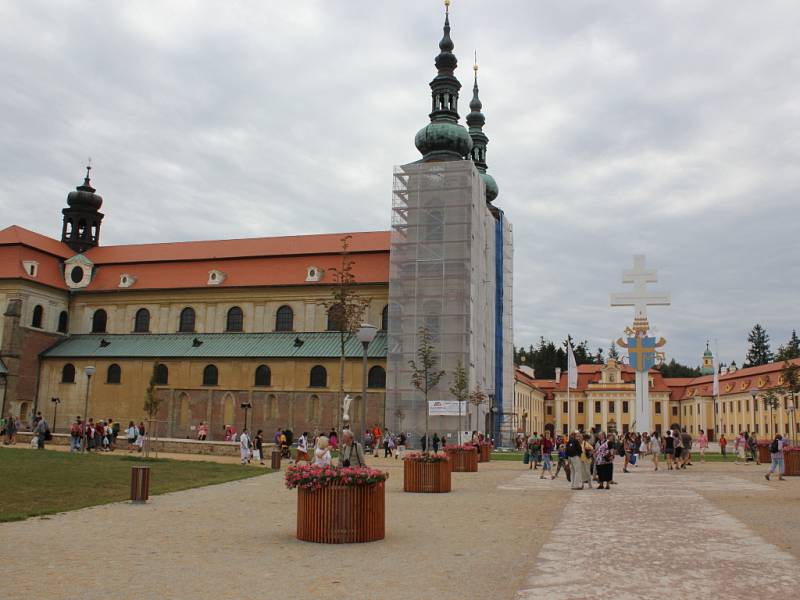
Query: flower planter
x=791, y=461
x=341, y=514
x=463, y=460
x=486, y=448
x=426, y=476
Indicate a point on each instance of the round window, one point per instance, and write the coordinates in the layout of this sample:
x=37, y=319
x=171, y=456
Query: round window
x=76, y=275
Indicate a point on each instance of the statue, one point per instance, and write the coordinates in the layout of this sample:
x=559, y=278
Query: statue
x=348, y=400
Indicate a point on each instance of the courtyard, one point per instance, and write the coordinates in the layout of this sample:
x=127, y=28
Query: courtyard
x=502, y=532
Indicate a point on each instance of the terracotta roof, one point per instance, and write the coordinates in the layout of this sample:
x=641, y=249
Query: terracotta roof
x=239, y=272
x=742, y=380
x=11, y=267
x=329, y=243
x=19, y=235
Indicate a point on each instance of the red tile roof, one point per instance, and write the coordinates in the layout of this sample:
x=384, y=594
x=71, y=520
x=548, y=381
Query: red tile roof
x=16, y=235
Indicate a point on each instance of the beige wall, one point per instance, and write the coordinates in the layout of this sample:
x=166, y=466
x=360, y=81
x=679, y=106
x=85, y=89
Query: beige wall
x=211, y=307
x=52, y=301
x=528, y=408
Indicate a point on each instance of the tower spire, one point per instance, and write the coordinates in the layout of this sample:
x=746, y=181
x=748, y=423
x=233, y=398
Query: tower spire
x=444, y=138
x=82, y=217
x=476, y=121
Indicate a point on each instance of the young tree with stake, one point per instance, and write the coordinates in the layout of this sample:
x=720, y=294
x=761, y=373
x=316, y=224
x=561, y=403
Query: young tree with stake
x=424, y=374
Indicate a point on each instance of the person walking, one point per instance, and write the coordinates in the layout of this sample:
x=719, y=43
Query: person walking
x=723, y=445
x=676, y=439
x=603, y=462
x=41, y=430
x=351, y=453
x=686, y=443
x=546, y=444
x=702, y=443
x=244, y=446
x=258, y=442
x=776, y=449
x=669, y=449
x=131, y=433
x=140, y=431
x=752, y=446
x=302, y=448
x=627, y=445
x=11, y=430
x=739, y=447
x=401, y=446
x=574, y=454
x=655, y=449
x=563, y=462
x=435, y=442
x=75, y=435
x=587, y=453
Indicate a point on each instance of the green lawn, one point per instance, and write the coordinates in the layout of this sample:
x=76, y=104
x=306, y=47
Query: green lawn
x=42, y=482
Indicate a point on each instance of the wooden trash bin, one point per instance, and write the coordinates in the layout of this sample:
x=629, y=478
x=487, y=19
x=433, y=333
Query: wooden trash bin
x=275, y=459
x=463, y=460
x=485, y=455
x=341, y=514
x=140, y=484
x=763, y=452
x=427, y=476
x=791, y=461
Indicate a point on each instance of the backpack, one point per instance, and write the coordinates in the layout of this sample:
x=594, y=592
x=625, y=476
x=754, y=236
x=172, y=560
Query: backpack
x=773, y=447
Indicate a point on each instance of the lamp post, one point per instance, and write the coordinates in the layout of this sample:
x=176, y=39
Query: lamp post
x=246, y=406
x=791, y=410
x=56, y=402
x=754, y=394
x=89, y=370
x=365, y=334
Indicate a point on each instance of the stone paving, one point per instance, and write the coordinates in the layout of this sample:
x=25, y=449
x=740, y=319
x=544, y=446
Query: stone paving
x=655, y=534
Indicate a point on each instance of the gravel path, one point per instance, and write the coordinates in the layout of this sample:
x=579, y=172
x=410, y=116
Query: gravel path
x=236, y=540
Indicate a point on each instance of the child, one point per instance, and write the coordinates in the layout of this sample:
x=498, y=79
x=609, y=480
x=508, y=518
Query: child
x=563, y=461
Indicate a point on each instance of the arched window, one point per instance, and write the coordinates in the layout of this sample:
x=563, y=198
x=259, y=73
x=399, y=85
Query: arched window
x=385, y=318
x=284, y=319
x=376, y=377
x=63, y=322
x=235, y=320
x=99, y=320
x=319, y=377
x=186, y=323
x=162, y=375
x=314, y=409
x=141, y=324
x=68, y=373
x=210, y=375
x=114, y=374
x=38, y=315
x=263, y=376
x=335, y=318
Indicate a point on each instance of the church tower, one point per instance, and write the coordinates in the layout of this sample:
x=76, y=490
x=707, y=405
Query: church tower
x=444, y=139
x=81, y=228
x=708, y=362
x=475, y=121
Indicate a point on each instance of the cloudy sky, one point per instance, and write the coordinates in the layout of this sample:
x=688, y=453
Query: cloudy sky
x=661, y=127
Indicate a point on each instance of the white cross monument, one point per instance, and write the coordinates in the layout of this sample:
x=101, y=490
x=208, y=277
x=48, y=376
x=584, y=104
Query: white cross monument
x=641, y=349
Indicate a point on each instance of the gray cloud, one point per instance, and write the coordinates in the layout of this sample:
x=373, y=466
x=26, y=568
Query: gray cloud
x=662, y=127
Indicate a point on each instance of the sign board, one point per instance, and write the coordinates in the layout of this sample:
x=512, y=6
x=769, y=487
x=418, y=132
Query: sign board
x=446, y=408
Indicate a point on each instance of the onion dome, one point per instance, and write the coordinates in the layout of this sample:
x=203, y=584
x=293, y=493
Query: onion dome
x=84, y=195
x=475, y=121
x=444, y=138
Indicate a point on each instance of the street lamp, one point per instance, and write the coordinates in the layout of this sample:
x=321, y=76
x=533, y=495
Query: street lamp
x=365, y=334
x=89, y=372
x=246, y=406
x=56, y=402
x=754, y=394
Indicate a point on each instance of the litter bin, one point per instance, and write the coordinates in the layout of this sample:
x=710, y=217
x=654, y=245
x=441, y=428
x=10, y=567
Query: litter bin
x=275, y=462
x=140, y=484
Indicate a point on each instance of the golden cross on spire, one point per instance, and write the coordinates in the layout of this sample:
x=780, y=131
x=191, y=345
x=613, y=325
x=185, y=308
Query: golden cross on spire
x=447, y=6
x=475, y=63
x=88, y=167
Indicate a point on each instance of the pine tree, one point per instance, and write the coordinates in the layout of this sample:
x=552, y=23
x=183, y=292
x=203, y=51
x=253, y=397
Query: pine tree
x=599, y=359
x=759, y=352
x=791, y=349
x=612, y=351
x=676, y=369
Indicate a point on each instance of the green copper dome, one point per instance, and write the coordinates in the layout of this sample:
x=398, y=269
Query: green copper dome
x=491, y=187
x=443, y=139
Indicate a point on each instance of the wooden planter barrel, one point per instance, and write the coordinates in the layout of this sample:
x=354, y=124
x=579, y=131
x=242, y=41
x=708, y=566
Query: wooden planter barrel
x=342, y=514
x=485, y=449
x=763, y=452
x=791, y=461
x=432, y=477
x=463, y=461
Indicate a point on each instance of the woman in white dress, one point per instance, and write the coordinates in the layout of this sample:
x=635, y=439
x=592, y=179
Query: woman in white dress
x=322, y=455
x=244, y=446
x=655, y=448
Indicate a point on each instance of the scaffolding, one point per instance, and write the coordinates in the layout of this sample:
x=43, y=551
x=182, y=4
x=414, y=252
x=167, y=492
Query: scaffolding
x=441, y=277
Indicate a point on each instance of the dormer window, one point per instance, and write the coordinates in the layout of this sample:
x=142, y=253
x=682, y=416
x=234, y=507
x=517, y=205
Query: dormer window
x=78, y=271
x=31, y=267
x=126, y=281
x=216, y=277
x=314, y=273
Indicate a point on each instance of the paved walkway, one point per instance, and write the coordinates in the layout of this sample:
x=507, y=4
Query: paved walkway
x=651, y=535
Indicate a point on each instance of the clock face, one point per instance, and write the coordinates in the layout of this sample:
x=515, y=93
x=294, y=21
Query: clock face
x=77, y=274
